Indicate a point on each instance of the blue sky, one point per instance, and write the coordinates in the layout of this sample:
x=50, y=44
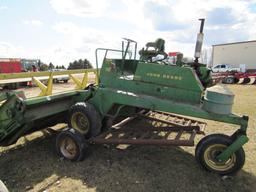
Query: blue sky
x=61, y=31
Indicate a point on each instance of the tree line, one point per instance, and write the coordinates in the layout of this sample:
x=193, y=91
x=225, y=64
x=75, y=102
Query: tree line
x=77, y=64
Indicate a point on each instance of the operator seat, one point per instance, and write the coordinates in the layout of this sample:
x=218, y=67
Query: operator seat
x=153, y=49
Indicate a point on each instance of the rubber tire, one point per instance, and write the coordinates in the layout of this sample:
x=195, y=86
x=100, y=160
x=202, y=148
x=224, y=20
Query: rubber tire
x=65, y=81
x=229, y=80
x=91, y=113
x=79, y=141
x=218, y=139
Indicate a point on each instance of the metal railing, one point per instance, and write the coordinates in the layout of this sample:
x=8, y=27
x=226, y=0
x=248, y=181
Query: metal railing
x=37, y=77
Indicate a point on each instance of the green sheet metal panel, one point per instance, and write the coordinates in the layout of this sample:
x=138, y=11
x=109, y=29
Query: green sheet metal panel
x=173, y=76
x=114, y=96
x=168, y=82
x=18, y=115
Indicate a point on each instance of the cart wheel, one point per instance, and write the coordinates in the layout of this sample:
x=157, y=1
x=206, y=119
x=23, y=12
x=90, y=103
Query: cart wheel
x=84, y=118
x=71, y=145
x=210, y=147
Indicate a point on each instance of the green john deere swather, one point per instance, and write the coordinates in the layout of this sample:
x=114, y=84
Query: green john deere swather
x=149, y=89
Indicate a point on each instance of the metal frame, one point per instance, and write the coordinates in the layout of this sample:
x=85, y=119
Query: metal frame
x=161, y=132
x=46, y=90
x=124, y=53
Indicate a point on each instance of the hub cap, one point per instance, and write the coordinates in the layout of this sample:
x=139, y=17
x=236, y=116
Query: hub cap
x=68, y=148
x=210, y=158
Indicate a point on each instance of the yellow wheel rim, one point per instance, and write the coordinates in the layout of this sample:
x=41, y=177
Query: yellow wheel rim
x=212, y=152
x=68, y=148
x=80, y=122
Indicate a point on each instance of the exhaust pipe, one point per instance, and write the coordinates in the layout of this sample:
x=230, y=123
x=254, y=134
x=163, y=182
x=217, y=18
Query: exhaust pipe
x=199, y=41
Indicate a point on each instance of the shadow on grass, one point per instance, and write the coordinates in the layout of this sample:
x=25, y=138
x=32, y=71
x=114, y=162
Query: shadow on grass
x=36, y=167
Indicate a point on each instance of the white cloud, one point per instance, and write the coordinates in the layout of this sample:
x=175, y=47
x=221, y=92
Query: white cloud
x=3, y=7
x=33, y=22
x=56, y=54
x=81, y=8
x=81, y=42
x=143, y=21
x=142, y=26
x=221, y=17
x=8, y=50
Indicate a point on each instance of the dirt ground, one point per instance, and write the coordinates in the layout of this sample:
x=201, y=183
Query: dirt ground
x=32, y=164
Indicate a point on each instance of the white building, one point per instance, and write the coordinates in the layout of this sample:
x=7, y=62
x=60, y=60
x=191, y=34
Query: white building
x=235, y=54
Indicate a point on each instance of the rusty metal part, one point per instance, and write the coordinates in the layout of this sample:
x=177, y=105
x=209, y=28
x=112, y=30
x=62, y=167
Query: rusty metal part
x=129, y=119
x=174, y=120
x=145, y=137
x=169, y=130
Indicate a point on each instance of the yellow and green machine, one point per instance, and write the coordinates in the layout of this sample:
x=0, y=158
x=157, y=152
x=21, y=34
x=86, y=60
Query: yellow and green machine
x=127, y=88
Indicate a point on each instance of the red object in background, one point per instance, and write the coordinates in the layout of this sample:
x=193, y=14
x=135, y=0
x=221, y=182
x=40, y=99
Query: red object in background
x=34, y=69
x=172, y=54
x=10, y=66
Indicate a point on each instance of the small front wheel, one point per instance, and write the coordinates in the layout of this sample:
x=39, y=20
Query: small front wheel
x=210, y=147
x=71, y=145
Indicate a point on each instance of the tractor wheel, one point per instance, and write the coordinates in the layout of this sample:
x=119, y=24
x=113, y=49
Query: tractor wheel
x=210, y=147
x=84, y=118
x=71, y=145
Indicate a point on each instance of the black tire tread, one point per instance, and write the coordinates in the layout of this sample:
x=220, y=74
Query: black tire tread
x=79, y=140
x=221, y=139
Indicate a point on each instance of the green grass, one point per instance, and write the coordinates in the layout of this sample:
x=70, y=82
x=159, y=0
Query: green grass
x=34, y=166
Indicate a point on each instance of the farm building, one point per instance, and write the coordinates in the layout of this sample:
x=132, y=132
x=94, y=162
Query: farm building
x=235, y=54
